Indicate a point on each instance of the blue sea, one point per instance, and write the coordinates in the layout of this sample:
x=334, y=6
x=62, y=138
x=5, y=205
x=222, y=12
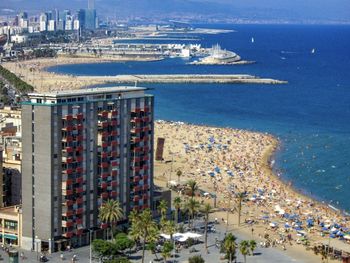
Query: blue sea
x=310, y=115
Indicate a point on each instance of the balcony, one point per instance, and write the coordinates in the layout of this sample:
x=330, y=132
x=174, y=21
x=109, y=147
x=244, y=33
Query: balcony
x=67, y=171
x=79, y=138
x=67, y=192
x=114, y=173
x=104, y=165
x=136, y=120
x=103, y=124
x=136, y=179
x=135, y=139
x=145, y=167
x=136, y=198
x=80, y=200
x=145, y=158
x=114, y=183
x=68, y=203
x=114, y=154
x=103, y=114
x=104, y=195
x=67, y=213
x=79, y=148
x=104, y=225
x=68, y=234
x=104, y=144
x=136, y=130
x=145, y=196
x=79, y=170
x=68, y=149
x=67, y=128
x=104, y=185
x=114, y=133
x=79, y=190
x=114, y=123
x=114, y=113
x=145, y=187
x=114, y=163
x=105, y=134
x=67, y=139
x=68, y=118
x=79, y=221
x=79, y=116
x=114, y=143
x=67, y=223
x=113, y=194
x=145, y=119
x=104, y=175
x=79, y=158
x=137, y=188
x=145, y=178
x=146, y=109
x=79, y=180
x=79, y=211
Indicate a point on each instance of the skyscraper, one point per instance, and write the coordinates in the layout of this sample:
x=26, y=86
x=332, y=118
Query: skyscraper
x=81, y=148
x=91, y=4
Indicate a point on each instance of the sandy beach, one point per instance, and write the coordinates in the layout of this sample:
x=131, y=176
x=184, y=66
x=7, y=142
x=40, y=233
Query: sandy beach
x=228, y=161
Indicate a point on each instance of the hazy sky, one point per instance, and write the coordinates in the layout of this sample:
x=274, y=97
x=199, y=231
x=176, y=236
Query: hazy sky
x=260, y=9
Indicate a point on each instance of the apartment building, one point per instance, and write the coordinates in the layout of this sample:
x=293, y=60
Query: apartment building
x=81, y=148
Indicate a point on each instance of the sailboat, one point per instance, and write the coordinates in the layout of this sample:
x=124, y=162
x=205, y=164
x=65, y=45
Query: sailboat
x=313, y=51
x=253, y=40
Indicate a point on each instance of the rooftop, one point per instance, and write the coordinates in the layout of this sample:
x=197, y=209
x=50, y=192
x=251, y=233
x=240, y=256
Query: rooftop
x=90, y=91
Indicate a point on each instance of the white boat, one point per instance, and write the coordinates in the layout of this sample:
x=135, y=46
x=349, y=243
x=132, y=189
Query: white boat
x=253, y=40
x=313, y=51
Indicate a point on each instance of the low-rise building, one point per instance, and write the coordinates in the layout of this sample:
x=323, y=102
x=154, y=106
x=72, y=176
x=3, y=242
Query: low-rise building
x=11, y=225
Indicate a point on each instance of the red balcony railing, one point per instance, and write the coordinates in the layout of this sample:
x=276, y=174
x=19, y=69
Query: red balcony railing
x=79, y=158
x=114, y=173
x=79, y=190
x=68, y=117
x=104, y=175
x=104, y=225
x=79, y=221
x=79, y=211
x=79, y=180
x=104, y=195
x=114, y=183
x=114, y=113
x=113, y=194
x=104, y=185
x=68, y=234
x=79, y=200
x=79, y=148
x=104, y=165
x=80, y=116
x=79, y=169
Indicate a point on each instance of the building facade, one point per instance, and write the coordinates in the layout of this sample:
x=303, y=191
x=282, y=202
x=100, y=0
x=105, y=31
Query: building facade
x=81, y=148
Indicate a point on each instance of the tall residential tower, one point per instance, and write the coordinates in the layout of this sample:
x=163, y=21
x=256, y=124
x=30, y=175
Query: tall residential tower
x=81, y=148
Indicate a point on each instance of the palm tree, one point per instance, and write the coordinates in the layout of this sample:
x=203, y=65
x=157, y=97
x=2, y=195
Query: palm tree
x=169, y=228
x=111, y=212
x=192, y=206
x=177, y=205
x=252, y=244
x=193, y=187
x=230, y=246
x=163, y=208
x=206, y=210
x=239, y=198
x=144, y=228
x=244, y=247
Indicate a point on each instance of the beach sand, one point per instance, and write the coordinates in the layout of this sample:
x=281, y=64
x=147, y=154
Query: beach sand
x=246, y=154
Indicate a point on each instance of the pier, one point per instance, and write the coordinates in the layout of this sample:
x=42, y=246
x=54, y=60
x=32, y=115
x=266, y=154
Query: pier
x=186, y=78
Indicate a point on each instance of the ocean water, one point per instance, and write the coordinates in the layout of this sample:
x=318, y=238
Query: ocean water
x=310, y=115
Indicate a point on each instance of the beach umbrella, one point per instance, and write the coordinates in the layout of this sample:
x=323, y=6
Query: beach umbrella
x=287, y=226
x=217, y=169
x=332, y=236
x=324, y=228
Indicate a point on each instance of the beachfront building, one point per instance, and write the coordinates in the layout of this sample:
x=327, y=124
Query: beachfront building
x=10, y=225
x=81, y=148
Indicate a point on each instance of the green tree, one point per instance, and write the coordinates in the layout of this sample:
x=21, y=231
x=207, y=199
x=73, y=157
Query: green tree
x=177, y=205
x=196, y=259
x=206, y=210
x=143, y=228
x=230, y=246
x=163, y=208
x=103, y=249
x=244, y=248
x=111, y=212
x=239, y=198
x=123, y=242
x=192, y=206
x=192, y=186
x=166, y=250
x=252, y=244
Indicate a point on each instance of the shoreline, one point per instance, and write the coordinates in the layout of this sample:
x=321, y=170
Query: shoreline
x=257, y=174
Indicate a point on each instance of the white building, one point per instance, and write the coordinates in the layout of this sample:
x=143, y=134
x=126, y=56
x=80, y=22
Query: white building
x=69, y=25
x=19, y=38
x=43, y=26
x=51, y=25
x=24, y=23
x=76, y=24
